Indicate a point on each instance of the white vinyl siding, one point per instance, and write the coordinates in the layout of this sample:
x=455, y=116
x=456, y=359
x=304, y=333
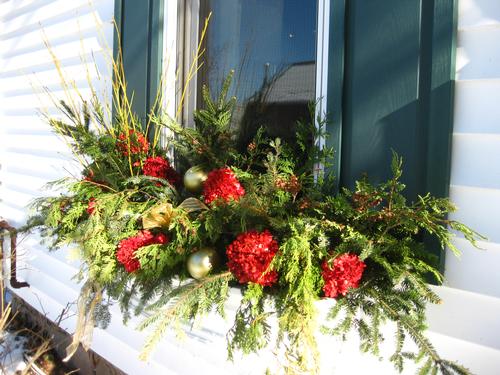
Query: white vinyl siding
x=475, y=174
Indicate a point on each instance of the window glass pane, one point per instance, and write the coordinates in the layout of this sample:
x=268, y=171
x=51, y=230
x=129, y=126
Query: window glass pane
x=271, y=46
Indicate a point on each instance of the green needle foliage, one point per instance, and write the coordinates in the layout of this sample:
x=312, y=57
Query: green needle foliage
x=116, y=200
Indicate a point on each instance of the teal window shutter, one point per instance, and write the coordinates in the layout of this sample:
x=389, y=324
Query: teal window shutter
x=391, y=72
x=140, y=24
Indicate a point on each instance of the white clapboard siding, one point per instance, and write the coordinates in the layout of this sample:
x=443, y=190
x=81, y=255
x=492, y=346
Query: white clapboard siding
x=476, y=106
x=475, y=174
x=476, y=13
x=463, y=328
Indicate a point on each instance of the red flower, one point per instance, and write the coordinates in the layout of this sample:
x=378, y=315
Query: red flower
x=127, y=247
x=250, y=255
x=135, y=143
x=91, y=206
x=161, y=168
x=345, y=274
x=222, y=183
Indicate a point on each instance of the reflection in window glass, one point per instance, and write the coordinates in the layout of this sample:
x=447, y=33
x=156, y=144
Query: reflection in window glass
x=271, y=46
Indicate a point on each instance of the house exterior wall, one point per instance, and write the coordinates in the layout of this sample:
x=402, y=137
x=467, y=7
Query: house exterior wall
x=475, y=175
x=465, y=327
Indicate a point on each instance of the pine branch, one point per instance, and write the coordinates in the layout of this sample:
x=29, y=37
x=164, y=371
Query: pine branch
x=422, y=342
x=250, y=331
x=185, y=306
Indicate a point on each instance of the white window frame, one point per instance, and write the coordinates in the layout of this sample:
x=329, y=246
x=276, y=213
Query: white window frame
x=322, y=48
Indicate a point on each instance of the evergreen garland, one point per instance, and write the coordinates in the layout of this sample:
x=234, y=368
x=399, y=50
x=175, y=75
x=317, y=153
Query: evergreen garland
x=313, y=226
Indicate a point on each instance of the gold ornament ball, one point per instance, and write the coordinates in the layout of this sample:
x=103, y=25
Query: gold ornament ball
x=194, y=179
x=200, y=263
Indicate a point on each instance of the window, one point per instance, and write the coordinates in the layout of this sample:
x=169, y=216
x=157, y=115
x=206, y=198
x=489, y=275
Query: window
x=273, y=48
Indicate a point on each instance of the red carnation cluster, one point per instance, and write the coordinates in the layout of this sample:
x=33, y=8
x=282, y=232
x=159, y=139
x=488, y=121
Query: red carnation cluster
x=222, y=183
x=345, y=273
x=136, y=143
x=250, y=255
x=161, y=168
x=128, y=246
x=91, y=206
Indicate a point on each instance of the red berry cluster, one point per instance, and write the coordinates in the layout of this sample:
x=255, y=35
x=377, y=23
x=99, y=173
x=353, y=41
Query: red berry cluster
x=135, y=142
x=91, y=206
x=290, y=185
x=161, y=168
x=250, y=256
x=222, y=184
x=344, y=274
x=127, y=247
